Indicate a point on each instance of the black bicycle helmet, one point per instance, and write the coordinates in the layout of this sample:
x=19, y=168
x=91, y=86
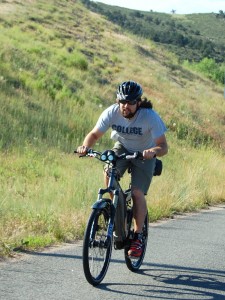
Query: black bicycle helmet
x=129, y=90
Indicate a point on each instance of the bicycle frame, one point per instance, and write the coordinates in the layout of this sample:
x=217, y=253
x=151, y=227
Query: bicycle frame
x=117, y=206
x=117, y=216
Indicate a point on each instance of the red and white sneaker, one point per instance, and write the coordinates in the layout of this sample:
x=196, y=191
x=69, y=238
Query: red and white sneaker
x=135, y=248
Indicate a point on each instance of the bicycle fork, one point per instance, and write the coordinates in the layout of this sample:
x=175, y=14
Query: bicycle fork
x=102, y=203
x=117, y=220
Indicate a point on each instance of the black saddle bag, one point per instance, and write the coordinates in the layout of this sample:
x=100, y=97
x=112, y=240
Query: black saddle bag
x=158, y=167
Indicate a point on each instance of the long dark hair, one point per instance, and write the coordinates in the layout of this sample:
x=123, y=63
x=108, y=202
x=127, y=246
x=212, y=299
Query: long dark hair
x=145, y=103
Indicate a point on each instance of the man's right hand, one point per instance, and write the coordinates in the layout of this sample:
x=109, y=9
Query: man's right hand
x=82, y=150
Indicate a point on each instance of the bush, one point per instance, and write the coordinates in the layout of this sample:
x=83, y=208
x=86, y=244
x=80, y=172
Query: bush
x=209, y=68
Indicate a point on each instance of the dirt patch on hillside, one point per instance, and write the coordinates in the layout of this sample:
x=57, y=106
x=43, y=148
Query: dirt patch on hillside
x=11, y=6
x=7, y=8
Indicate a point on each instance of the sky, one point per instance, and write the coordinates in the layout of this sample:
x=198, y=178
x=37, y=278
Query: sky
x=166, y=6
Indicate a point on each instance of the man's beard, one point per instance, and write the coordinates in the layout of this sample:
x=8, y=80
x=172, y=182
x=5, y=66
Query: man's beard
x=129, y=115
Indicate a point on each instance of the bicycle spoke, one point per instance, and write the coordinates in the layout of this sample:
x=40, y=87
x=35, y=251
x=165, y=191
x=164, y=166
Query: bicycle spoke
x=97, y=249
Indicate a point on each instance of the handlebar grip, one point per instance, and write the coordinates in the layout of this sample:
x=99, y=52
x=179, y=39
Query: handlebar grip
x=75, y=152
x=135, y=155
x=140, y=155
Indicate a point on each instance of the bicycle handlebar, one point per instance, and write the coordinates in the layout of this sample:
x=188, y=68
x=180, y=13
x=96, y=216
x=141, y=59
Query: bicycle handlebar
x=110, y=155
x=135, y=155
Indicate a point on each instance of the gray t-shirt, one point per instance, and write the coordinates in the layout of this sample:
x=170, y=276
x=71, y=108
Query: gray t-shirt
x=136, y=134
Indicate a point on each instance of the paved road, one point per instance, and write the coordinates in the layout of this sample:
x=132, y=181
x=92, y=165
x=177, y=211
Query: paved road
x=185, y=259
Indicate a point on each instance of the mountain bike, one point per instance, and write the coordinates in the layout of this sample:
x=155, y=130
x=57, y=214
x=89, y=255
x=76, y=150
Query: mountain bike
x=111, y=222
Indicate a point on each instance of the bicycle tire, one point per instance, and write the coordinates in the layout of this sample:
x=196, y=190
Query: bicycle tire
x=132, y=263
x=96, y=248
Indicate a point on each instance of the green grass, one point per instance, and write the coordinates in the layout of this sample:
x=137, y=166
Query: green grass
x=193, y=183
x=46, y=197
x=208, y=25
x=60, y=66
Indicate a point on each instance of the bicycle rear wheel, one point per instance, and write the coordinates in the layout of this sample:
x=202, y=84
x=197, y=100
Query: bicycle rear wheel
x=96, y=247
x=134, y=263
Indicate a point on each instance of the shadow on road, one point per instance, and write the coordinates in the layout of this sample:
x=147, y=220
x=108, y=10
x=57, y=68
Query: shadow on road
x=176, y=282
x=165, y=281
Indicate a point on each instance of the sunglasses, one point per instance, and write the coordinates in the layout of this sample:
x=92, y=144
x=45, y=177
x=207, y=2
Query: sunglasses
x=130, y=102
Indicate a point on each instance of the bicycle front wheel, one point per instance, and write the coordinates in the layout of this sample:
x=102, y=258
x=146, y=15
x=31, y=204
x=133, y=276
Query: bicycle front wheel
x=133, y=263
x=97, y=248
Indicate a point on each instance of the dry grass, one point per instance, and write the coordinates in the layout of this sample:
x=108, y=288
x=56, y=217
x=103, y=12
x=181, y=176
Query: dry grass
x=46, y=192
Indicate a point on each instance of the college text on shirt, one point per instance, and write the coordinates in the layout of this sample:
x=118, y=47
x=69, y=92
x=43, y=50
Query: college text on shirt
x=127, y=130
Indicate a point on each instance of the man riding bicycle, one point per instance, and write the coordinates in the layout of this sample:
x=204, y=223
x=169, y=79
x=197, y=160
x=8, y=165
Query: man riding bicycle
x=135, y=127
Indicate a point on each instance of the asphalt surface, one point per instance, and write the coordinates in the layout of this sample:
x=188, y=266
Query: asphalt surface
x=185, y=259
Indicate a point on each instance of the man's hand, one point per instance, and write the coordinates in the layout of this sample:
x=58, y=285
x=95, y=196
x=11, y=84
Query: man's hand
x=82, y=150
x=160, y=148
x=149, y=154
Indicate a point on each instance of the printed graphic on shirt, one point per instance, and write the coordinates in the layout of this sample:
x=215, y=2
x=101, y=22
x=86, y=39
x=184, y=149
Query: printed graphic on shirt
x=127, y=130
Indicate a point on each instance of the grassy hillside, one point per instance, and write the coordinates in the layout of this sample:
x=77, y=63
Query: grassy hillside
x=60, y=65
x=209, y=25
x=191, y=37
